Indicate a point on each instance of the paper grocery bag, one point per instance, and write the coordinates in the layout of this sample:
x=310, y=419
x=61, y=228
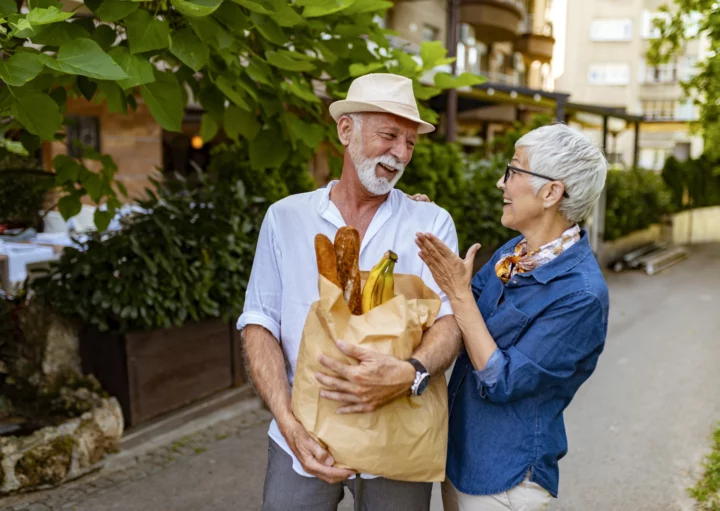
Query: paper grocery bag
x=406, y=439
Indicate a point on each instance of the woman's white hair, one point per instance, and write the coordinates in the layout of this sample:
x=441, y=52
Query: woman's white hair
x=566, y=155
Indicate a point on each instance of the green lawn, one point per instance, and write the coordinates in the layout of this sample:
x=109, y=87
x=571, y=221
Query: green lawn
x=707, y=491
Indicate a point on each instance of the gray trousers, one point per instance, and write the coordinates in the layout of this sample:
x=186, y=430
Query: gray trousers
x=286, y=490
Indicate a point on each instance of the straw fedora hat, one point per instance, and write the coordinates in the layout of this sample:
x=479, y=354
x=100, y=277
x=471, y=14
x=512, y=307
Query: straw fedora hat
x=381, y=92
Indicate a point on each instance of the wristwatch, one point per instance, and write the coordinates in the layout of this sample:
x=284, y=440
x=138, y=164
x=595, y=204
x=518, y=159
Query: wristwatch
x=422, y=378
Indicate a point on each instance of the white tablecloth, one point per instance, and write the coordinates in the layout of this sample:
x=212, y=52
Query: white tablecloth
x=22, y=254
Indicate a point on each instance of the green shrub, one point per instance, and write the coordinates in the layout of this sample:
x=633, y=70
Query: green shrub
x=465, y=185
x=188, y=258
x=23, y=189
x=232, y=162
x=693, y=183
x=636, y=199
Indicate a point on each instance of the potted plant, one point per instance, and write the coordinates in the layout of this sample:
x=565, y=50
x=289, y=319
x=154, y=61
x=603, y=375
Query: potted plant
x=157, y=299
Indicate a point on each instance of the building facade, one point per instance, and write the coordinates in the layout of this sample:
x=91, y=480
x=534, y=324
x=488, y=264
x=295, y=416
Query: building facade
x=605, y=64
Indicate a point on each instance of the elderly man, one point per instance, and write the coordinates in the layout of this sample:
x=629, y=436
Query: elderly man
x=378, y=124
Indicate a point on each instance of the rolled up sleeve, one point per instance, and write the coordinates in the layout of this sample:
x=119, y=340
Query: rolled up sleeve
x=559, y=349
x=263, y=299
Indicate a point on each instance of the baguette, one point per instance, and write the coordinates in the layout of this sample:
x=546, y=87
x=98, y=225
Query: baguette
x=347, y=249
x=326, y=259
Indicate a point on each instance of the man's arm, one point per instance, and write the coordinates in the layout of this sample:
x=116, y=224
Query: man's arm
x=440, y=345
x=379, y=379
x=266, y=367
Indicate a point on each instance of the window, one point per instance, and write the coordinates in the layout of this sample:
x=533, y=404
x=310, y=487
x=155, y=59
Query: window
x=611, y=30
x=611, y=73
x=649, y=30
x=82, y=131
x=668, y=109
x=662, y=73
x=653, y=158
x=430, y=33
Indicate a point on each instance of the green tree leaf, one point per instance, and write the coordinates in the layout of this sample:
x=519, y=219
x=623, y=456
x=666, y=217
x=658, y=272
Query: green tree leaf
x=13, y=146
x=105, y=36
x=44, y=4
x=233, y=17
x=433, y=54
x=285, y=15
x=269, y=29
x=165, y=101
x=137, y=67
x=448, y=81
x=37, y=112
x=238, y=122
x=41, y=16
x=363, y=69
x=146, y=33
x=258, y=6
x=317, y=8
x=20, y=68
x=211, y=32
x=301, y=91
x=7, y=7
x=289, y=61
x=67, y=170
x=84, y=57
x=111, y=11
x=87, y=87
x=266, y=153
x=114, y=96
x=225, y=84
x=196, y=8
x=208, y=128
x=364, y=6
x=186, y=46
x=102, y=219
x=93, y=184
x=310, y=134
x=259, y=71
x=424, y=93
x=69, y=206
x=60, y=33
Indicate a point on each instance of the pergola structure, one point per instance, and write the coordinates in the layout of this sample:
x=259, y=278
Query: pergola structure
x=558, y=103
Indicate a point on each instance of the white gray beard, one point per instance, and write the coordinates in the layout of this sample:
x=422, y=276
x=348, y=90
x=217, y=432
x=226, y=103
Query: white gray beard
x=365, y=168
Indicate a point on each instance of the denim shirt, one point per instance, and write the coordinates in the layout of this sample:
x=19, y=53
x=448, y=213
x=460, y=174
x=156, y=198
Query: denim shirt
x=550, y=324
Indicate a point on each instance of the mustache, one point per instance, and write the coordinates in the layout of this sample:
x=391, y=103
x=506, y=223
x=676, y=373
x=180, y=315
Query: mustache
x=390, y=161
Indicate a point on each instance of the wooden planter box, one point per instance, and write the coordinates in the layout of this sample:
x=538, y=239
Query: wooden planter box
x=151, y=373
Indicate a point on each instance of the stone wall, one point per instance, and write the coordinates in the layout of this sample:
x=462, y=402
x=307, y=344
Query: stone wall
x=53, y=455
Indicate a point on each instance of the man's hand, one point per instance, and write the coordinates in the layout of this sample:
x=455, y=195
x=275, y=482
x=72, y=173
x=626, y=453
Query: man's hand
x=315, y=459
x=377, y=380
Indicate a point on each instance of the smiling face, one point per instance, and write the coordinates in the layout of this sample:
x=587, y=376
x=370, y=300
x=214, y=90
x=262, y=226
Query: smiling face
x=523, y=207
x=381, y=149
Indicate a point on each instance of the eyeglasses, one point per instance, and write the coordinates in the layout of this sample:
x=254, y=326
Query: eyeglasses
x=510, y=168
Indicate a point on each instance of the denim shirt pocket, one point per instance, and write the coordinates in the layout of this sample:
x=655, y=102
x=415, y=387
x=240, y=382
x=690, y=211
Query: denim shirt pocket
x=506, y=324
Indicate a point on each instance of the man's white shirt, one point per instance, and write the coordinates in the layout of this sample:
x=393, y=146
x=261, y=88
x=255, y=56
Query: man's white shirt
x=284, y=279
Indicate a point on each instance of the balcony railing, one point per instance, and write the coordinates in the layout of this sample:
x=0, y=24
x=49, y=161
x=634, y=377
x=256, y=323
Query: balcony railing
x=537, y=26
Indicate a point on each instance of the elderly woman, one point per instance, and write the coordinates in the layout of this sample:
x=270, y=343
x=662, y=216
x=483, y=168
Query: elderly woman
x=534, y=321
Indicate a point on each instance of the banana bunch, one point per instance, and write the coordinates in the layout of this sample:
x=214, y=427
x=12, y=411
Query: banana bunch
x=380, y=285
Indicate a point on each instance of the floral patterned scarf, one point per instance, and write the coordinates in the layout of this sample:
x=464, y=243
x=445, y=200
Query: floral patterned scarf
x=520, y=261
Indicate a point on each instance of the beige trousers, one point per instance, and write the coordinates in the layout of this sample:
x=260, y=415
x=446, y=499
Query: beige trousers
x=527, y=496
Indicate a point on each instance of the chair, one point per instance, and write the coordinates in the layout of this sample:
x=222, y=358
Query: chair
x=54, y=222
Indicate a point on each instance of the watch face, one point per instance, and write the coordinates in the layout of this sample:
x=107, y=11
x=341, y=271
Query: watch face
x=423, y=384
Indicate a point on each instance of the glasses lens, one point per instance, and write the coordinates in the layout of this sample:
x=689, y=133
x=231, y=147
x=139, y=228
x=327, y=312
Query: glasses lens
x=507, y=174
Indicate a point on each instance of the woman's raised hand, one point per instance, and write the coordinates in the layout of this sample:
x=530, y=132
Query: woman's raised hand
x=451, y=273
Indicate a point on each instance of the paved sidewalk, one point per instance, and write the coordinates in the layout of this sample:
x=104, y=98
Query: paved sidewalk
x=637, y=430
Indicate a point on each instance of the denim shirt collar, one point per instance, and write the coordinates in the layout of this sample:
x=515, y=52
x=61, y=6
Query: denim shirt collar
x=563, y=263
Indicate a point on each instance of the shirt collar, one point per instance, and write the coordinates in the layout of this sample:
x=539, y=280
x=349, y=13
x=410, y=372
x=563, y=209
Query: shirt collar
x=564, y=262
